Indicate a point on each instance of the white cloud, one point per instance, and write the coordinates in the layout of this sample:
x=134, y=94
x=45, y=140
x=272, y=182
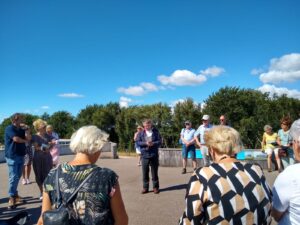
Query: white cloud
x=283, y=69
x=124, y=102
x=173, y=103
x=140, y=90
x=213, y=71
x=182, y=78
x=257, y=71
x=45, y=107
x=188, y=78
x=272, y=89
x=70, y=95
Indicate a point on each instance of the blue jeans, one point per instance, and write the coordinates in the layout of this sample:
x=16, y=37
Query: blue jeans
x=15, y=167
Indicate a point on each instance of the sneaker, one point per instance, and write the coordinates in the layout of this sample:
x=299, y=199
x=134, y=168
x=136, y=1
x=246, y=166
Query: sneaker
x=11, y=203
x=269, y=170
x=144, y=191
x=19, y=200
x=279, y=170
x=24, y=182
x=155, y=190
x=28, y=181
x=183, y=171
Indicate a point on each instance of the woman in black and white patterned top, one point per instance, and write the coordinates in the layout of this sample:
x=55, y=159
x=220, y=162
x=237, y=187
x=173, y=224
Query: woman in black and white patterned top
x=227, y=191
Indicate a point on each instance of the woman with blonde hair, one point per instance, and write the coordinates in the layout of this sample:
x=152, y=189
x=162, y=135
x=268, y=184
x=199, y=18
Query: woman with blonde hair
x=99, y=200
x=228, y=191
x=42, y=159
x=269, y=143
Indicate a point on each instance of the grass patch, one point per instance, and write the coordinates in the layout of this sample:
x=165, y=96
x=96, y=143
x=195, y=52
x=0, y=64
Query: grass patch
x=127, y=153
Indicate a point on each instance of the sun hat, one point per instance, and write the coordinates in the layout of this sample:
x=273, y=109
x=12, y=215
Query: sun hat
x=205, y=117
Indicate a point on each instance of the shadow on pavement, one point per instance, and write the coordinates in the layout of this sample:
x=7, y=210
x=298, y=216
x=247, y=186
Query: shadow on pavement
x=33, y=213
x=173, y=188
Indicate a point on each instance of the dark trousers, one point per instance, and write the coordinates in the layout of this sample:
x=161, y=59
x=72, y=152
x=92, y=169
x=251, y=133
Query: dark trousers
x=153, y=163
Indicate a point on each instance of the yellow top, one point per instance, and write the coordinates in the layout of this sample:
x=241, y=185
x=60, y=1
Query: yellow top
x=268, y=139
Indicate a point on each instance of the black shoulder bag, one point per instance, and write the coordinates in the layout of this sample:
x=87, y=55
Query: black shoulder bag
x=61, y=213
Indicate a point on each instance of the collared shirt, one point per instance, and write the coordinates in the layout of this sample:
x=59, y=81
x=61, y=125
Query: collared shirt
x=201, y=131
x=12, y=148
x=187, y=134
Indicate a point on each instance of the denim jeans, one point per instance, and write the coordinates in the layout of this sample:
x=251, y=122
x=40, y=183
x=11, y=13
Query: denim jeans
x=15, y=167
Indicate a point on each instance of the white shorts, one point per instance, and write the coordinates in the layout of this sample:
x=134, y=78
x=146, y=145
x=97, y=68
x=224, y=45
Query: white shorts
x=137, y=150
x=269, y=151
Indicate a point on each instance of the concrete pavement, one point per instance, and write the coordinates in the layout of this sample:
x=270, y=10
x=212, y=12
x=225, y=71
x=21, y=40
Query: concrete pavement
x=162, y=209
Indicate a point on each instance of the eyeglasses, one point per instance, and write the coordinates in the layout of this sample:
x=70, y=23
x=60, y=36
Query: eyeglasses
x=187, y=124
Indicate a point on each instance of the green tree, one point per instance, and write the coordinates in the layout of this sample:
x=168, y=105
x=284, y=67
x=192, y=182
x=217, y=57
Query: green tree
x=63, y=123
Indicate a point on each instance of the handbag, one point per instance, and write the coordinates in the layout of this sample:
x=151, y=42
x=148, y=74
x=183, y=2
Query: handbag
x=62, y=212
x=283, y=151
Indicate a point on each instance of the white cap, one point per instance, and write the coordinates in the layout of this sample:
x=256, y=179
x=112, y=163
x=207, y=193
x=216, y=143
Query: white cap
x=295, y=130
x=205, y=117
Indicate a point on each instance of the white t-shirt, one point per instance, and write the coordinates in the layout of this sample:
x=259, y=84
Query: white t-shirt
x=286, y=195
x=149, y=135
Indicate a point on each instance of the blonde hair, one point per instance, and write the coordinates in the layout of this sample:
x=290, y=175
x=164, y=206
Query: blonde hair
x=49, y=127
x=88, y=139
x=223, y=139
x=39, y=123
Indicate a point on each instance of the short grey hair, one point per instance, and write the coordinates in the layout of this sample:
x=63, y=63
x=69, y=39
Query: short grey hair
x=88, y=139
x=267, y=127
x=295, y=130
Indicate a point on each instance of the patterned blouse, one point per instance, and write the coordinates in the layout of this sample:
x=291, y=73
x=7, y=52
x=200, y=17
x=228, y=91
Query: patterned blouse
x=92, y=203
x=228, y=193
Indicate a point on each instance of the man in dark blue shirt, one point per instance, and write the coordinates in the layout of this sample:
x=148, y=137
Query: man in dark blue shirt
x=149, y=140
x=15, y=138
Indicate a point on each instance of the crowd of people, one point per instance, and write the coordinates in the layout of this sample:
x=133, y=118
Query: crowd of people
x=223, y=191
x=24, y=149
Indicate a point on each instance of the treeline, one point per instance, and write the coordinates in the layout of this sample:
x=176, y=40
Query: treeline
x=247, y=111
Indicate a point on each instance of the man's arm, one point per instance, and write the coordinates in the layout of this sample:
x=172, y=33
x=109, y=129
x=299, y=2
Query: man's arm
x=281, y=195
x=277, y=215
x=19, y=140
x=196, y=134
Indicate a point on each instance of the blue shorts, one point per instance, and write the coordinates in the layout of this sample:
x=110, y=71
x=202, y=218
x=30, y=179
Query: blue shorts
x=186, y=150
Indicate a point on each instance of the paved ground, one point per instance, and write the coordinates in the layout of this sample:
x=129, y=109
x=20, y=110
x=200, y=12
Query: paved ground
x=162, y=209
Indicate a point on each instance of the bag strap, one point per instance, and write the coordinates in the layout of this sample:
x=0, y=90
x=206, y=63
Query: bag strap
x=58, y=194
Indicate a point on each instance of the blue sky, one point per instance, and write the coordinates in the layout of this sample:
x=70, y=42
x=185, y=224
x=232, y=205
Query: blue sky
x=65, y=55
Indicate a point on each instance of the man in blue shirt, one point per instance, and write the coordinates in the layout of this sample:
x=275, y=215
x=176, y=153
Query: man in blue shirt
x=15, y=138
x=188, y=145
x=200, y=141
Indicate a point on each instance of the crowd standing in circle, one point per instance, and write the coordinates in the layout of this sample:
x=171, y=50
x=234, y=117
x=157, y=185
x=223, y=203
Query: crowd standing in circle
x=204, y=197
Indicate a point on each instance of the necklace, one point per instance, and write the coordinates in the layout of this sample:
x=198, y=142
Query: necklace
x=223, y=157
